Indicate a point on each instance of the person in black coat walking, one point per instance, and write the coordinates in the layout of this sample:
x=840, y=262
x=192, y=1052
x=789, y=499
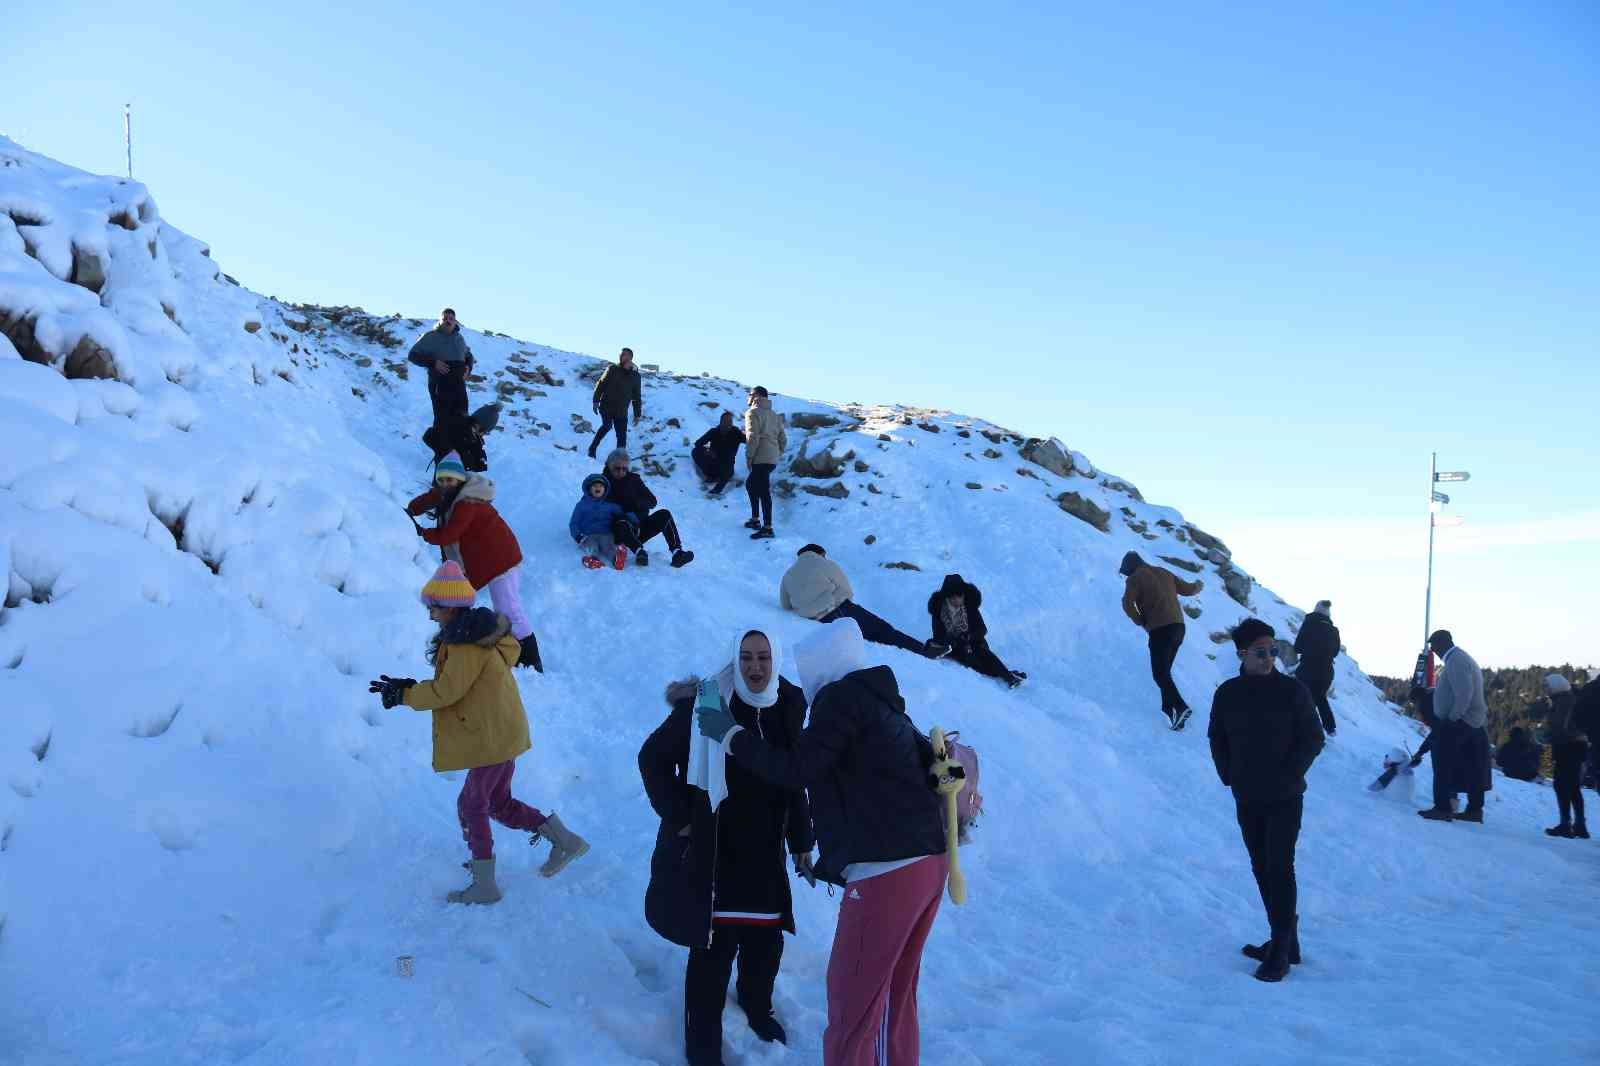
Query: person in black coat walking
x=1318, y=645
x=1264, y=737
x=955, y=611
x=716, y=450
x=718, y=883
x=618, y=386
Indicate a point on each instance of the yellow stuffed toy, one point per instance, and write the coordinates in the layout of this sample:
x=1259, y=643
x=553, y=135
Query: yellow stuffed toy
x=949, y=778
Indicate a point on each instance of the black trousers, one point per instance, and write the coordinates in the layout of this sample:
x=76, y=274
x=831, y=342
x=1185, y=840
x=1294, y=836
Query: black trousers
x=1453, y=765
x=1569, y=779
x=759, y=949
x=633, y=537
x=758, y=486
x=1319, y=694
x=713, y=470
x=978, y=656
x=448, y=392
x=874, y=628
x=608, y=422
x=1164, y=644
x=1270, y=832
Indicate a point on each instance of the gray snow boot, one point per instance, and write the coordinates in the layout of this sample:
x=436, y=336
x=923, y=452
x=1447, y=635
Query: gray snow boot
x=483, y=889
x=565, y=845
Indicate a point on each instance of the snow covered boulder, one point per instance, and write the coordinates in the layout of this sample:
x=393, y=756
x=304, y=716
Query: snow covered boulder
x=1050, y=454
x=1086, y=510
x=39, y=387
x=823, y=465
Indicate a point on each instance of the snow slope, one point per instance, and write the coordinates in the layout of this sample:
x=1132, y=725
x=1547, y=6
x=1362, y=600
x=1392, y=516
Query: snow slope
x=214, y=842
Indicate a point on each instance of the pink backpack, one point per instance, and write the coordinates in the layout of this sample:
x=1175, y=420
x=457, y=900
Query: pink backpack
x=969, y=801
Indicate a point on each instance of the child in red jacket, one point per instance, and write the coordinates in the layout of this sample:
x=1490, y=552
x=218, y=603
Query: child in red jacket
x=472, y=533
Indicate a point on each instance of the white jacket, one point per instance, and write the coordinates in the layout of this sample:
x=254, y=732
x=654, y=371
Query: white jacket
x=1458, y=697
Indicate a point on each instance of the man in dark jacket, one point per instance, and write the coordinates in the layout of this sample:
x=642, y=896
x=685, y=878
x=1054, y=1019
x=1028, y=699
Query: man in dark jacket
x=879, y=831
x=640, y=521
x=618, y=387
x=1150, y=599
x=716, y=450
x=958, y=625
x=718, y=884
x=443, y=352
x=1519, y=757
x=1264, y=737
x=1318, y=645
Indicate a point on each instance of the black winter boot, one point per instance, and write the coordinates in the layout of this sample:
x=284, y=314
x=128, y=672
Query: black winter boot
x=1562, y=830
x=766, y=1027
x=682, y=558
x=641, y=558
x=1276, y=965
x=1580, y=830
x=530, y=653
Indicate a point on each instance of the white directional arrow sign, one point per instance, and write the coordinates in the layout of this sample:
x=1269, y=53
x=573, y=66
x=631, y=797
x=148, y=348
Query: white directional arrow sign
x=1439, y=497
x=1452, y=475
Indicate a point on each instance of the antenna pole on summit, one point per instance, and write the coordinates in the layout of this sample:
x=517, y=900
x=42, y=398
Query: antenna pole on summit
x=127, y=135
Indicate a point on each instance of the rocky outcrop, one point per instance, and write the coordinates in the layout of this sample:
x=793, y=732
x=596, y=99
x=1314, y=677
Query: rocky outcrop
x=1206, y=540
x=581, y=424
x=811, y=420
x=1050, y=454
x=1085, y=510
x=1182, y=564
x=822, y=465
x=836, y=491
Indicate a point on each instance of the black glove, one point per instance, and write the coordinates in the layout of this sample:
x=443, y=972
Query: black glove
x=391, y=689
x=414, y=524
x=1416, y=760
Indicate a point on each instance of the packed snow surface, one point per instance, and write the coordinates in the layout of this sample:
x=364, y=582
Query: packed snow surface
x=214, y=843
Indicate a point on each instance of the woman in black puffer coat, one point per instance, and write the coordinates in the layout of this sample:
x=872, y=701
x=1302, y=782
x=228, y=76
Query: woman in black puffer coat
x=958, y=625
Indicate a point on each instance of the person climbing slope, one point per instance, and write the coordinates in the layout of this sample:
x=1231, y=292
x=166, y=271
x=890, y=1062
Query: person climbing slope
x=479, y=725
x=619, y=385
x=471, y=532
x=1150, y=599
x=958, y=624
x=718, y=884
x=880, y=832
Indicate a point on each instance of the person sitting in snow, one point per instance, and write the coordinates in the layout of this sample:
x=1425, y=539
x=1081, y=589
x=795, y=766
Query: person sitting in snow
x=593, y=519
x=471, y=532
x=479, y=725
x=1519, y=757
x=816, y=588
x=716, y=450
x=880, y=831
x=958, y=625
x=443, y=353
x=717, y=880
x=629, y=492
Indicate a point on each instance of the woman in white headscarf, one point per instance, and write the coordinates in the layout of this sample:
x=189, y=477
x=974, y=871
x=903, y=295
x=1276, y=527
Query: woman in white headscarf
x=718, y=880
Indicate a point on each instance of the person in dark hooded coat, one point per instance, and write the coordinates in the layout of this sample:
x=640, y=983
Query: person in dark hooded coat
x=718, y=884
x=1318, y=645
x=957, y=616
x=1519, y=757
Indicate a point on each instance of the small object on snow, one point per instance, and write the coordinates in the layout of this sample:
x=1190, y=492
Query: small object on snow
x=593, y=563
x=1181, y=718
x=404, y=965
x=620, y=559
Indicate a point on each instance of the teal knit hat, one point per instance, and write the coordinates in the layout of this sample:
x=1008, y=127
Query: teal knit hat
x=450, y=467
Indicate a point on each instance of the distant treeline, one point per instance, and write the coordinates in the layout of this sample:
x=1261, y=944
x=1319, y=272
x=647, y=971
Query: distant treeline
x=1513, y=695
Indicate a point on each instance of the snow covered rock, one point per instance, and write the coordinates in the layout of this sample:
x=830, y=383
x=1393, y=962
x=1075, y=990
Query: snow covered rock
x=1050, y=454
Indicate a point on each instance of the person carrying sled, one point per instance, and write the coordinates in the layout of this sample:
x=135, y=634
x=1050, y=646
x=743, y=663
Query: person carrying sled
x=593, y=519
x=479, y=725
x=619, y=385
x=879, y=832
x=1519, y=757
x=1569, y=745
x=1150, y=599
x=718, y=883
x=714, y=452
x=443, y=353
x=958, y=625
x=638, y=504
x=765, y=441
x=1317, y=644
x=1461, y=744
x=816, y=588
x=471, y=532
x=1264, y=736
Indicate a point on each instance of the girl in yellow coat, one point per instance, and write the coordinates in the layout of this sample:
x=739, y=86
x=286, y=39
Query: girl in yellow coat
x=479, y=725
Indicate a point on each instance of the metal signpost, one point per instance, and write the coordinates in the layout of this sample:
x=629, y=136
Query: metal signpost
x=1436, y=500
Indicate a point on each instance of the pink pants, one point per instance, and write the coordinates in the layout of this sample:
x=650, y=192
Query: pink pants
x=877, y=957
x=486, y=794
x=505, y=592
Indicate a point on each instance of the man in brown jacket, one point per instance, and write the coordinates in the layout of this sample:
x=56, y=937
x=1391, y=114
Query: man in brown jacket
x=1151, y=600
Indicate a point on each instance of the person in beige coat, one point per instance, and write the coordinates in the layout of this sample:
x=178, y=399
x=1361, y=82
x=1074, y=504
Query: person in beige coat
x=1150, y=599
x=816, y=588
x=479, y=725
x=765, y=441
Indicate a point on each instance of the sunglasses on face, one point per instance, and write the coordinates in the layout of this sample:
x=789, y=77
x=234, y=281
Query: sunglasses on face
x=1261, y=653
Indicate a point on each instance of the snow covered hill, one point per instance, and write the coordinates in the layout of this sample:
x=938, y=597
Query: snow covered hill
x=214, y=843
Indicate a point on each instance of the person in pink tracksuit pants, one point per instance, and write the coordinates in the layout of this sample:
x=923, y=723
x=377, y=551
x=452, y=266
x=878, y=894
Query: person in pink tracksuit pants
x=879, y=832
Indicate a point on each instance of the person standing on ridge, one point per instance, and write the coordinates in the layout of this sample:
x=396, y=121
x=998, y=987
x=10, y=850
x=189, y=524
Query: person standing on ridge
x=471, y=532
x=714, y=452
x=1264, y=736
x=443, y=353
x=816, y=588
x=479, y=725
x=1569, y=744
x=619, y=386
x=1460, y=738
x=765, y=441
x=1318, y=645
x=718, y=882
x=1150, y=599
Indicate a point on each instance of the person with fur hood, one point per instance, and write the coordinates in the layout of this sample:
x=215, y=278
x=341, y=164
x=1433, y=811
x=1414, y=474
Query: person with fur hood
x=479, y=725
x=1317, y=644
x=880, y=831
x=471, y=533
x=1569, y=744
x=958, y=625
x=718, y=883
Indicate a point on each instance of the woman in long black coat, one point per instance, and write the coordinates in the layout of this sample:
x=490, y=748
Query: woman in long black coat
x=718, y=881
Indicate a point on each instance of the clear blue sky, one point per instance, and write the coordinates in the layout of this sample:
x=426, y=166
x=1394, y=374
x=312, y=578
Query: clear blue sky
x=1259, y=259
